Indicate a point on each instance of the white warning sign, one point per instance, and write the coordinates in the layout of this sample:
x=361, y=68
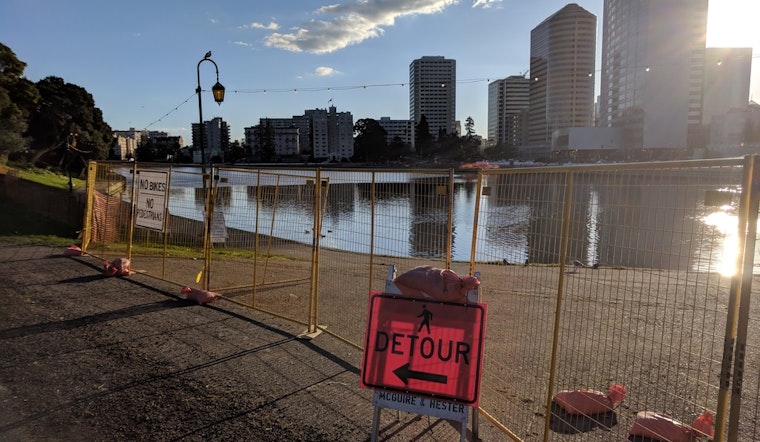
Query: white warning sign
x=152, y=188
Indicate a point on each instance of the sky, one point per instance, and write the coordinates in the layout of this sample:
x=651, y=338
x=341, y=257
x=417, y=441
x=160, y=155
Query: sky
x=277, y=58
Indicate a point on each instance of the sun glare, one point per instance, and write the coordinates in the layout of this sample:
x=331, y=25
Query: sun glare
x=733, y=23
x=725, y=223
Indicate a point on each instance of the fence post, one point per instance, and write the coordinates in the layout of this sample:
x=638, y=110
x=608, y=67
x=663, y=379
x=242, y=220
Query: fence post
x=748, y=231
x=132, y=210
x=729, y=339
x=317, y=230
x=476, y=218
x=450, y=220
x=558, y=309
x=92, y=172
x=372, y=231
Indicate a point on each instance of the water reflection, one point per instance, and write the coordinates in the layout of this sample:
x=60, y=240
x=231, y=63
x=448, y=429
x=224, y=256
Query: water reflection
x=662, y=221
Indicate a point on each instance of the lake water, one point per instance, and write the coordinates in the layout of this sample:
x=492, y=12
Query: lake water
x=643, y=223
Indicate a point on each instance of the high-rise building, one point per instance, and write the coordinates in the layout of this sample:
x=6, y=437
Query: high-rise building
x=507, y=102
x=653, y=58
x=216, y=133
x=332, y=133
x=562, y=60
x=727, y=79
x=432, y=93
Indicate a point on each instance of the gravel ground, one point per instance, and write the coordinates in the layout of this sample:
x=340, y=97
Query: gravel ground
x=87, y=357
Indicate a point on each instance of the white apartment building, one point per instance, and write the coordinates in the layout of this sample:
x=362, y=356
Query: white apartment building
x=285, y=134
x=562, y=64
x=508, y=99
x=432, y=93
x=126, y=142
x=332, y=133
x=324, y=133
x=401, y=129
x=216, y=134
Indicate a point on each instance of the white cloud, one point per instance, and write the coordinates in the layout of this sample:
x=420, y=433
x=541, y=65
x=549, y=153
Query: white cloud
x=272, y=26
x=241, y=43
x=352, y=23
x=324, y=71
x=213, y=20
x=485, y=4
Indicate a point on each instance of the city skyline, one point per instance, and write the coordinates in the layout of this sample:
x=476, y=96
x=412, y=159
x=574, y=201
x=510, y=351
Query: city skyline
x=278, y=60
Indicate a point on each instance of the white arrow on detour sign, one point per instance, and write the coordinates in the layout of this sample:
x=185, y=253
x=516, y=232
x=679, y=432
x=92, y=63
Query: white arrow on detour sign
x=423, y=347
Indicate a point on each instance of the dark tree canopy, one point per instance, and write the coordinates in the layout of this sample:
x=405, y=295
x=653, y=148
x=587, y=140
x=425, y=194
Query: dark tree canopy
x=50, y=122
x=64, y=109
x=369, y=140
x=266, y=142
x=423, y=140
x=17, y=96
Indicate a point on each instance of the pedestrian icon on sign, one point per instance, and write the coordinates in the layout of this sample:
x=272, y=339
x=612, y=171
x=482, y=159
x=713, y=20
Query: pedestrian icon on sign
x=426, y=316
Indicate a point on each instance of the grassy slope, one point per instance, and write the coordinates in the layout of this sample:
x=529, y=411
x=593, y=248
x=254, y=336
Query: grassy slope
x=19, y=225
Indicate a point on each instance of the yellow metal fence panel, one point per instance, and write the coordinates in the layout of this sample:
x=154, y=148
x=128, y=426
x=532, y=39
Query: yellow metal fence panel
x=643, y=289
x=262, y=239
x=386, y=218
x=593, y=275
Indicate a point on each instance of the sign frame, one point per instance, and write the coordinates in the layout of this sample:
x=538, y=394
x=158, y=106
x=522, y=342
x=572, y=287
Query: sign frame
x=151, y=199
x=454, y=377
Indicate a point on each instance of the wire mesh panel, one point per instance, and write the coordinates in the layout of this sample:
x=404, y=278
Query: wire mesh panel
x=110, y=200
x=594, y=275
x=517, y=252
x=633, y=267
x=748, y=422
x=262, y=240
x=373, y=220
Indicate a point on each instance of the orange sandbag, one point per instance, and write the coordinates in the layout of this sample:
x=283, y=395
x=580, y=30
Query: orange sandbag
x=657, y=426
x=117, y=267
x=590, y=402
x=429, y=282
x=73, y=250
x=199, y=296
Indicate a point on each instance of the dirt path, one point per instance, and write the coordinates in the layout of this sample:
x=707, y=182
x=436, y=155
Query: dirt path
x=85, y=357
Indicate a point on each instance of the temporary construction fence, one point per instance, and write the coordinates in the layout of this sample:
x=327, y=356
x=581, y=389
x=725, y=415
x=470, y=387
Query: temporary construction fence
x=634, y=274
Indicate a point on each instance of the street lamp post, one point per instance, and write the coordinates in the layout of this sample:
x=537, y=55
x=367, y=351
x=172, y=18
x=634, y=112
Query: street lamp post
x=71, y=143
x=218, y=91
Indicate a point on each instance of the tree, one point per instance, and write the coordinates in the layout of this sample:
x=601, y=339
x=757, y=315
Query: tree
x=146, y=151
x=469, y=127
x=66, y=109
x=470, y=149
x=266, y=145
x=17, y=97
x=369, y=140
x=423, y=141
x=235, y=153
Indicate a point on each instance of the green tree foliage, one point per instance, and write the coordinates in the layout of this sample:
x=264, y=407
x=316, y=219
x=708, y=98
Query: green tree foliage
x=369, y=141
x=500, y=152
x=423, y=140
x=235, y=153
x=17, y=96
x=469, y=127
x=65, y=109
x=470, y=150
x=146, y=151
x=150, y=150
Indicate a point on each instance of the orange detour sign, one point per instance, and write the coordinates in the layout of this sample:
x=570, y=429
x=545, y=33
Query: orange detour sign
x=424, y=347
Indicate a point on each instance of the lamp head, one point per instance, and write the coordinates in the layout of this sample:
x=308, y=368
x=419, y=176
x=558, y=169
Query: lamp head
x=218, y=91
